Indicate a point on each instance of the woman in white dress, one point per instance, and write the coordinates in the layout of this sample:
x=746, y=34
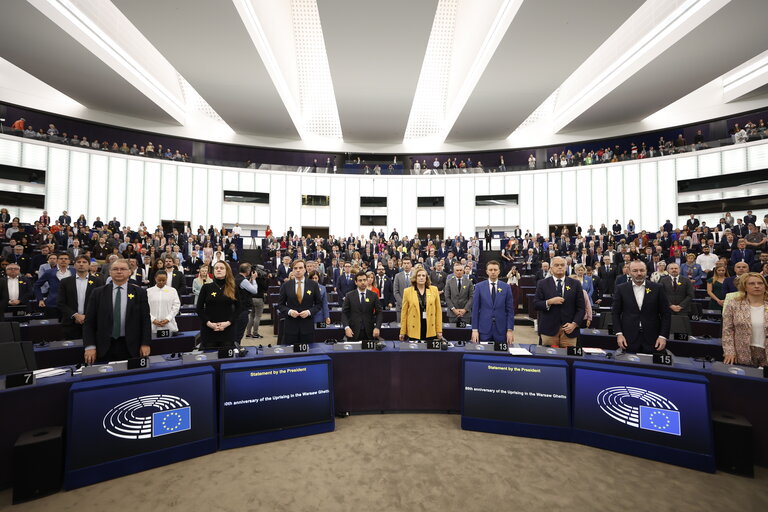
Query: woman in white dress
x=164, y=304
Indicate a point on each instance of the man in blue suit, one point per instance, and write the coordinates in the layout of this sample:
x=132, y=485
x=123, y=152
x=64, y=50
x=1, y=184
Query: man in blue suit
x=346, y=282
x=493, y=308
x=742, y=254
x=53, y=277
x=560, y=305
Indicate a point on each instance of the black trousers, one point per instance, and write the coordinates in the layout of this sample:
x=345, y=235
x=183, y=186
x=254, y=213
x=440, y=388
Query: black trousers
x=118, y=351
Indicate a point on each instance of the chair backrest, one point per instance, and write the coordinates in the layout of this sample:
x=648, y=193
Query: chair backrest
x=606, y=320
x=9, y=331
x=681, y=324
x=17, y=357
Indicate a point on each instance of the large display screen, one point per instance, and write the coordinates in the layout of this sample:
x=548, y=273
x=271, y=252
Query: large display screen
x=659, y=408
x=114, y=419
x=275, y=395
x=532, y=391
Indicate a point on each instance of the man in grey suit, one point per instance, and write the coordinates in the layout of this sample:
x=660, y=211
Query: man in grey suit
x=678, y=289
x=458, y=295
x=402, y=281
x=438, y=278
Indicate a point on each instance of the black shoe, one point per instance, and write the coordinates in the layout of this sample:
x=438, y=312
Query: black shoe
x=258, y=336
x=249, y=335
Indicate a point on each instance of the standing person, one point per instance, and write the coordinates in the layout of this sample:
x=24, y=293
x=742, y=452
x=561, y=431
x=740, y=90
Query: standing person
x=117, y=324
x=53, y=277
x=458, y=296
x=254, y=320
x=488, y=234
x=164, y=304
x=324, y=315
x=678, y=290
x=513, y=280
x=716, y=289
x=745, y=323
x=641, y=314
x=202, y=278
x=361, y=311
x=247, y=290
x=298, y=302
x=422, y=316
x=73, y=297
x=402, y=281
x=218, y=307
x=560, y=305
x=15, y=290
x=493, y=313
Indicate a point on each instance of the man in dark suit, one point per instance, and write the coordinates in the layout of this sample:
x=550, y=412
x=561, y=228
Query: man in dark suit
x=65, y=219
x=678, y=290
x=192, y=265
x=750, y=218
x=531, y=263
x=544, y=272
x=175, y=278
x=692, y=223
x=346, y=281
x=21, y=259
x=114, y=225
x=117, y=324
x=438, y=277
x=488, y=237
x=739, y=229
x=289, y=233
x=624, y=277
x=740, y=254
x=641, y=314
x=72, y=300
x=668, y=227
x=384, y=284
x=560, y=304
x=361, y=312
x=15, y=289
x=284, y=269
x=458, y=295
x=607, y=275
x=298, y=302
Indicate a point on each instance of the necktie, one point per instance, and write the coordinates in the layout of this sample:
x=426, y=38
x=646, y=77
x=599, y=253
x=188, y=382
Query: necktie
x=116, y=314
x=674, y=281
x=362, y=297
x=299, y=295
x=560, y=287
x=493, y=292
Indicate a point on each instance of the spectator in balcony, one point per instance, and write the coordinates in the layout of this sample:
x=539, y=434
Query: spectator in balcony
x=159, y=152
x=41, y=134
x=168, y=155
x=761, y=129
x=134, y=150
x=75, y=140
x=84, y=142
x=531, y=161
x=149, y=151
x=740, y=136
x=52, y=131
x=30, y=133
x=104, y=146
x=19, y=124
x=114, y=148
x=95, y=144
x=502, y=166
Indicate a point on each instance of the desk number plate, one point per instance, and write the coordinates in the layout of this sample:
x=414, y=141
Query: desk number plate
x=575, y=351
x=301, y=347
x=433, y=345
x=163, y=333
x=663, y=359
x=680, y=336
x=368, y=345
x=138, y=362
x=500, y=346
x=15, y=380
x=226, y=353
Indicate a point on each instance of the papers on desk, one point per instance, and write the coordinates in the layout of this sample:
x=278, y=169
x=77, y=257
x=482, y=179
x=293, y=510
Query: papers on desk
x=517, y=351
x=591, y=350
x=49, y=372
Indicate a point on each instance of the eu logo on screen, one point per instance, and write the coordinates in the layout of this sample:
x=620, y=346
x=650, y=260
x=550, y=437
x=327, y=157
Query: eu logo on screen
x=170, y=422
x=660, y=420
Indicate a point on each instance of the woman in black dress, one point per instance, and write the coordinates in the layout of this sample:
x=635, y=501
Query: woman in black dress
x=218, y=308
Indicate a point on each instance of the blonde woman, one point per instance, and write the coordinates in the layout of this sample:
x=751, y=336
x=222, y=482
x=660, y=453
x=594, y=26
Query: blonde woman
x=661, y=272
x=421, y=317
x=745, y=323
x=202, y=278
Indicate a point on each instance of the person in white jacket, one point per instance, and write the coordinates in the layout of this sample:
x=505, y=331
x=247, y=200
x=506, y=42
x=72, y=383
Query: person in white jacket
x=164, y=304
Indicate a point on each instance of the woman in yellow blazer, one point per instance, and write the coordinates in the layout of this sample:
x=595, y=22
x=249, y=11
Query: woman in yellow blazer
x=421, y=317
x=745, y=323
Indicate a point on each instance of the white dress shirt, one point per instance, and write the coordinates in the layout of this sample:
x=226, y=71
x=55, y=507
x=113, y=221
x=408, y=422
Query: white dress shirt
x=164, y=304
x=13, y=288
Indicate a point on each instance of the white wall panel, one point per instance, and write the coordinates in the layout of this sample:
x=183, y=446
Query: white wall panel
x=322, y=217
x=757, y=156
x=648, y=217
x=230, y=180
x=437, y=187
x=262, y=183
x=200, y=200
x=527, y=202
x=169, y=192
x=10, y=152
x=600, y=197
x=468, y=224
x=734, y=160
x=631, y=185
x=134, y=207
x=246, y=215
x=554, y=192
x=116, y=188
x=667, y=191
x=407, y=225
x=583, y=197
x=229, y=213
x=569, y=197
x=541, y=202
x=34, y=156
x=512, y=183
x=308, y=185
x=247, y=179
x=57, y=180
x=151, y=214
x=482, y=185
x=184, y=197
x=615, y=195
x=97, y=189
x=453, y=194
x=686, y=167
x=709, y=164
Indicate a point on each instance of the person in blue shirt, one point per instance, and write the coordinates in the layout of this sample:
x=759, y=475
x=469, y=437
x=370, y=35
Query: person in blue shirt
x=693, y=271
x=580, y=274
x=324, y=315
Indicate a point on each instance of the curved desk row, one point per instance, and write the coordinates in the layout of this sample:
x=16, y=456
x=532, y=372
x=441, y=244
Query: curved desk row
x=393, y=379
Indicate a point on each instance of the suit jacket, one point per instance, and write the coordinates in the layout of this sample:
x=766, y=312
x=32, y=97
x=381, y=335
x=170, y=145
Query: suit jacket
x=66, y=300
x=552, y=318
x=655, y=316
x=282, y=272
x=72, y=255
x=311, y=300
x=385, y=289
x=193, y=265
x=438, y=279
x=492, y=318
x=410, y=320
x=22, y=260
x=177, y=280
x=737, y=330
x=540, y=275
x=97, y=330
x=621, y=279
x=399, y=285
x=680, y=295
x=25, y=293
x=459, y=296
x=361, y=317
x=747, y=255
x=344, y=285
x=53, y=286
